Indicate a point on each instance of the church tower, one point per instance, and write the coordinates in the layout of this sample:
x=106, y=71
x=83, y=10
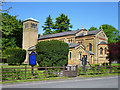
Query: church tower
x=30, y=34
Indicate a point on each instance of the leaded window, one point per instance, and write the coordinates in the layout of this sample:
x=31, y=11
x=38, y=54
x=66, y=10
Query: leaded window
x=90, y=47
x=101, y=50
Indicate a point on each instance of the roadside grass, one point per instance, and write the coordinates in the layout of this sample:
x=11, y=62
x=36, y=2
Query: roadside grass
x=30, y=80
x=100, y=75
x=57, y=78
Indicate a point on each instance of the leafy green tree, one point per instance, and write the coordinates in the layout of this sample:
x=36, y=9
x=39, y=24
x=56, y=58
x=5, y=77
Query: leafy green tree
x=48, y=26
x=52, y=53
x=11, y=31
x=2, y=2
x=62, y=24
x=93, y=28
x=111, y=32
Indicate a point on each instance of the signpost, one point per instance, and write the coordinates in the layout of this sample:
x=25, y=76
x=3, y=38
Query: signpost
x=32, y=60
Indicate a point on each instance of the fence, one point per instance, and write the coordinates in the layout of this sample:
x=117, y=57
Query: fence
x=91, y=70
x=23, y=73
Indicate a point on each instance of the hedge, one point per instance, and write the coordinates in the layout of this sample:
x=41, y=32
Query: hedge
x=15, y=56
x=52, y=53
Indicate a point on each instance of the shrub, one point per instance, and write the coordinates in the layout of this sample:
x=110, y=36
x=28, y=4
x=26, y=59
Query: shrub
x=15, y=56
x=52, y=53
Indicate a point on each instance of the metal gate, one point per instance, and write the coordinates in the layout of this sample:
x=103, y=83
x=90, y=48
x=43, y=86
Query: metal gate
x=70, y=71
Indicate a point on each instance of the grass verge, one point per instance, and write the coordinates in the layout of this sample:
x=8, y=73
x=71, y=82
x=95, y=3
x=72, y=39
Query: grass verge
x=57, y=78
x=29, y=80
x=100, y=75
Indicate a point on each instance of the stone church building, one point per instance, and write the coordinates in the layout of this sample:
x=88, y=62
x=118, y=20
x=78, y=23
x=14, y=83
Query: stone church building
x=84, y=46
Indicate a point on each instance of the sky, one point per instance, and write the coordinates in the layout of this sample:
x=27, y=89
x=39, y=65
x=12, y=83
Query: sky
x=85, y=14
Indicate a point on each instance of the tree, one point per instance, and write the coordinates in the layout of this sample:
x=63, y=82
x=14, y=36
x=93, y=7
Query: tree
x=48, y=26
x=1, y=10
x=11, y=31
x=92, y=29
x=111, y=32
x=62, y=24
x=52, y=53
x=114, y=51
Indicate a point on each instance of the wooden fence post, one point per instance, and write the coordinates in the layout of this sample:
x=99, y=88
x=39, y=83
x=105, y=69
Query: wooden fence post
x=84, y=70
x=45, y=71
x=25, y=71
x=110, y=69
x=1, y=73
x=63, y=70
x=98, y=68
x=70, y=70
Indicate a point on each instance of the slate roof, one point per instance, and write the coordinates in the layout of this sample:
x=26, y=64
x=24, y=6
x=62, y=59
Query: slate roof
x=102, y=42
x=68, y=33
x=72, y=45
x=32, y=48
x=59, y=34
x=91, y=53
x=93, y=32
x=89, y=33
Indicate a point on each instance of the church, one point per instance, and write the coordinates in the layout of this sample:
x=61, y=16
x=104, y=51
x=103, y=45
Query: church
x=85, y=47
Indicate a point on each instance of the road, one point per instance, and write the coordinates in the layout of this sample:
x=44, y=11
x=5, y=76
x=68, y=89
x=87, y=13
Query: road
x=98, y=82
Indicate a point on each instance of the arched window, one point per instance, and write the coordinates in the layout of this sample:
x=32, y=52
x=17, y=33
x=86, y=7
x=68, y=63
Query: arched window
x=105, y=50
x=90, y=47
x=70, y=55
x=101, y=50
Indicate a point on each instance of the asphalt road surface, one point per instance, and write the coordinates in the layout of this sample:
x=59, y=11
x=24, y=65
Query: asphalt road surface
x=98, y=82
